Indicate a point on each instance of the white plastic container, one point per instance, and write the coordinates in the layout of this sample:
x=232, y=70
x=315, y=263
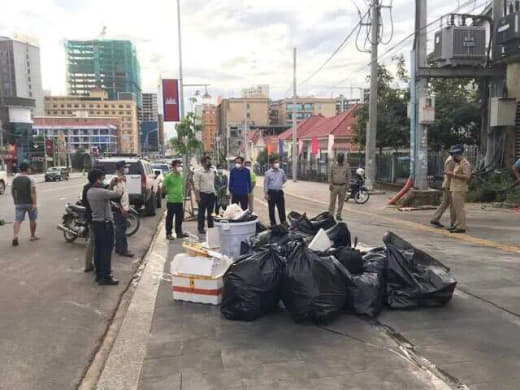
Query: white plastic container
x=232, y=234
x=198, y=279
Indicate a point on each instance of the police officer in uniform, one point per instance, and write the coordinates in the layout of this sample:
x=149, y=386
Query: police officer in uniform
x=339, y=179
x=446, y=202
x=459, y=187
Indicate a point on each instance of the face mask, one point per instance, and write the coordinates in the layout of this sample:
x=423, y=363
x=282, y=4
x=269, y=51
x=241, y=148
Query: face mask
x=248, y=166
x=276, y=165
x=126, y=171
x=238, y=165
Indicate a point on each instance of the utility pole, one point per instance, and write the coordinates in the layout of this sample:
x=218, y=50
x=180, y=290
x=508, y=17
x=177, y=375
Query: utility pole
x=420, y=155
x=370, y=149
x=246, y=148
x=294, y=127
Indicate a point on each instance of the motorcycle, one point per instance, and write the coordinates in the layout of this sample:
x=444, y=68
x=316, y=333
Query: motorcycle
x=74, y=222
x=358, y=191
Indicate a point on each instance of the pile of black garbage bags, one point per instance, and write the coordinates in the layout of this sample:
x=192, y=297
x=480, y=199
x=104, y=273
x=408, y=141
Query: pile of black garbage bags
x=277, y=265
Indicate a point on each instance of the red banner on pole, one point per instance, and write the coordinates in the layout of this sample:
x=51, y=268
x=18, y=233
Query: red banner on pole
x=170, y=90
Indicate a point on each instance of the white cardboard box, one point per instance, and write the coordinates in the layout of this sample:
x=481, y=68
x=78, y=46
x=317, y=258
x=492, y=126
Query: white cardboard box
x=198, y=279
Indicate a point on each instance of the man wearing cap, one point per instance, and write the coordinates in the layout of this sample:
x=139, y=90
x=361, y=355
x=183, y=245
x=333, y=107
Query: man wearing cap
x=339, y=179
x=251, y=196
x=121, y=209
x=446, y=202
x=173, y=186
x=459, y=177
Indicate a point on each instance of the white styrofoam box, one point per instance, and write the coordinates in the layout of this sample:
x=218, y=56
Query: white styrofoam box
x=321, y=242
x=212, y=238
x=198, y=279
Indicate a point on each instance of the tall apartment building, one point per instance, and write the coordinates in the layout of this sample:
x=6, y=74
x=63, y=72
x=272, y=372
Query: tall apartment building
x=209, y=128
x=20, y=72
x=109, y=64
x=98, y=104
x=150, y=110
x=232, y=113
x=281, y=111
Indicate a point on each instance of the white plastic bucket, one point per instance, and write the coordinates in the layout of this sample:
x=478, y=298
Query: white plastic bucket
x=232, y=234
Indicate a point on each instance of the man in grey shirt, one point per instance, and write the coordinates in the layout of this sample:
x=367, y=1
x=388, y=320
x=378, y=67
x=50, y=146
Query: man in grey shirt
x=274, y=180
x=103, y=225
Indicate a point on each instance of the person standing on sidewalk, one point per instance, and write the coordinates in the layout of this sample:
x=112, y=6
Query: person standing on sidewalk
x=339, y=179
x=251, y=195
x=446, y=202
x=240, y=183
x=23, y=190
x=221, y=185
x=103, y=224
x=89, y=251
x=205, y=193
x=121, y=209
x=459, y=187
x=173, y=186
x=274, y=180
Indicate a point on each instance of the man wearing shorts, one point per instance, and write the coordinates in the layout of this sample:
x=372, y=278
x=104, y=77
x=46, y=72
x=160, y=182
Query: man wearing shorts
x=23, y=190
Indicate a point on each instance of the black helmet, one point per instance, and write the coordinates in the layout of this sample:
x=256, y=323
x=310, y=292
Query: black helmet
x=457, y=149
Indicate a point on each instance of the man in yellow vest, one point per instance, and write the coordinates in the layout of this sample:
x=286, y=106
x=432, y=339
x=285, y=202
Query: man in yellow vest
x=459, y=187
x=446, y=202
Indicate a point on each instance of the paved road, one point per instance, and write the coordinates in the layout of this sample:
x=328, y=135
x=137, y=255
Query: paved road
x=52, y=313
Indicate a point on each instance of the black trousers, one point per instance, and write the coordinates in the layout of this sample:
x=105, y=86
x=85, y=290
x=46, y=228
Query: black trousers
x=206, y=206
x=104, y=243
x=242, y=200
x=174, y=210
x=276, y=199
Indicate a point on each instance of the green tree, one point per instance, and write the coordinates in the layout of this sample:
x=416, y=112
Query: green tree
x=187, y=141
x=457, y=113
x=392, y=123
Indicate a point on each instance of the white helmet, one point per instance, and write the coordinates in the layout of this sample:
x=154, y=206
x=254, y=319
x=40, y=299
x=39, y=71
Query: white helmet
x=360, y=172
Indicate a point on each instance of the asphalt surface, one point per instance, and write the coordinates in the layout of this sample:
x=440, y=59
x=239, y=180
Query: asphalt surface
x=53, y=314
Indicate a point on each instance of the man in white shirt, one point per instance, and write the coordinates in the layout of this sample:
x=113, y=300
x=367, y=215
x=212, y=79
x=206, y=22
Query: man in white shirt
x=205, y=193
x=121, y=211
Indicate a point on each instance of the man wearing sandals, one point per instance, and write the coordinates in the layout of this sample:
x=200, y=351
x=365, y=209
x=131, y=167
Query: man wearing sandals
x=23, y=190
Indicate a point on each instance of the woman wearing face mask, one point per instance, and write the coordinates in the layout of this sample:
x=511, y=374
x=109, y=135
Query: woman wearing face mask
x=240, y=183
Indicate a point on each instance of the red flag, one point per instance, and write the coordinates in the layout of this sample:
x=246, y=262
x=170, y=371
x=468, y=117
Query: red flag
x=171, y=104
x=315, y=146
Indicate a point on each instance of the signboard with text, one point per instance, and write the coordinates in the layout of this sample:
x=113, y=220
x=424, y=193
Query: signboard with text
x=170, y=92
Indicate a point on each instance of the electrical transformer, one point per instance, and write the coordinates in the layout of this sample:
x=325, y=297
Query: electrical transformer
x=507, y=35
x=460, y=46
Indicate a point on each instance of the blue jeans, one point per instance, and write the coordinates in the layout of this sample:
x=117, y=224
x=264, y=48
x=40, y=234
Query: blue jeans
x=120, y=225
x=104, y=243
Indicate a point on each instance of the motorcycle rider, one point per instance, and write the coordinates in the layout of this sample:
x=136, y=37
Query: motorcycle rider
x=121, y=211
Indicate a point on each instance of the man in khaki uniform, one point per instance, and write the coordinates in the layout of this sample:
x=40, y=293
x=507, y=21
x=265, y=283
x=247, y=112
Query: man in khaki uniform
x=446, y=202
x=339, y=179
x=459, y=187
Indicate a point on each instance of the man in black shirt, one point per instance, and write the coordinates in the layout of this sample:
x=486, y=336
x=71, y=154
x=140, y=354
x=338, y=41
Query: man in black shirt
x=23, y=190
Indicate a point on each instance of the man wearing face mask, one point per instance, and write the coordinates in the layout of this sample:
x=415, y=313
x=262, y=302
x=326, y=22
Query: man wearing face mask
x=459, y=187
x=205, y=194
x=274, y=180
x=240, y=183
x=339, y=179
x=121, y=211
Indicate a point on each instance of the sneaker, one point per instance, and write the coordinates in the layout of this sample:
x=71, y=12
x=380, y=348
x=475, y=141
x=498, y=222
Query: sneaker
x=127, y=254
x=339, y=218
x=456, y=230
x=170, y=237
x=108, y=281
x=183, y=235
x=15, y=241
x=437, y=223
x=34, y=238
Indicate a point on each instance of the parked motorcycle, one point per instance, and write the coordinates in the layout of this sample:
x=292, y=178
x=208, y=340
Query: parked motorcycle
x=74, y=224
x=358, y=191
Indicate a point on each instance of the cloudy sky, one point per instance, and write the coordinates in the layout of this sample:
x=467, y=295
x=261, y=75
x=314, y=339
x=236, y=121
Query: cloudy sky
x=229, y=44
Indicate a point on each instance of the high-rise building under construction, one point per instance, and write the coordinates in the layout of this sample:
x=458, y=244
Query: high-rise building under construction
x=109, y=64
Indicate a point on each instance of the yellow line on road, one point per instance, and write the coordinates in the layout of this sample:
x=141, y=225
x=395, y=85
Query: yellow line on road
x=418, y=226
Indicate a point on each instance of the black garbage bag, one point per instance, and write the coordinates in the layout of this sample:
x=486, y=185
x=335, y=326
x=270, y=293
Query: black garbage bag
x=245, y=248
x=246, y=217
x=301, y=223
x=260, y=227
x=313, y=288
x=351, y=259
x=322, y=221
x=339, y=235
x=292, y=217
x=414, y=278
x=252, y=286
x=275, y=235
x=366, y=291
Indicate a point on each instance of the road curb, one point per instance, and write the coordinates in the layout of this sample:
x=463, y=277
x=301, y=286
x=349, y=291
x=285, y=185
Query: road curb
x=124, y=362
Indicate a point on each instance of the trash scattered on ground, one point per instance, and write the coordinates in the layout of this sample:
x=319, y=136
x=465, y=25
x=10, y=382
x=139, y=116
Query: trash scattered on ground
x=310, y=266
x=417, y=208
x=252, y=286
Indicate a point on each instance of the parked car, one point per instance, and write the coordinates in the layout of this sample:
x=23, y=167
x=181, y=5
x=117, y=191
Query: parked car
x=140, y=180
x=56, y=174
x=3, y=178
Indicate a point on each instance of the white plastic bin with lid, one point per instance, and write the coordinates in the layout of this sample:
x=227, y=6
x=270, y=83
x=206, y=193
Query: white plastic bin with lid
x=232, y=234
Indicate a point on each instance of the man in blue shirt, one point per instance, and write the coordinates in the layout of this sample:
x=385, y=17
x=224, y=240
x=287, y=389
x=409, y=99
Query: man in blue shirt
x=240, y=183
x=274, y=180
